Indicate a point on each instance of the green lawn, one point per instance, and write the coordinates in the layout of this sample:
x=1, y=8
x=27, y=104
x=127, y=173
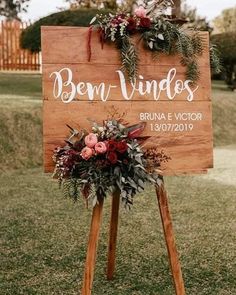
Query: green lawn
x=43, y=236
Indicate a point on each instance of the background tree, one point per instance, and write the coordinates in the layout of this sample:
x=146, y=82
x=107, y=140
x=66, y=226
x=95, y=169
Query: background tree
x=31, y=36
x=194, y=20
x=225, y=39
x=226, y=44
x=107, y=4
x=226, y=22
x=11, y=8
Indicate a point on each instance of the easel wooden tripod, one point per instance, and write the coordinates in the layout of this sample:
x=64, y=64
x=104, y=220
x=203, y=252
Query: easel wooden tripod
x=94, y=235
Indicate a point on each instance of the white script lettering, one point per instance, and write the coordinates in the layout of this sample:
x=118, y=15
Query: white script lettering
x=67, y=90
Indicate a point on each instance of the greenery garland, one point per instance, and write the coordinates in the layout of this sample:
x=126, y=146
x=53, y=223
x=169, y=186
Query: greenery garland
x=159, y=33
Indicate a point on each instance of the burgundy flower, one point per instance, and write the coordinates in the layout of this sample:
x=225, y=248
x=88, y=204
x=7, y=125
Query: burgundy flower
x=111, y=145
x=131, y=27
x=136, y=130
x=121, y=147
x=118, y=19
x=112, y=157
x=125, y=161
x=145, y=22
x=71, y=152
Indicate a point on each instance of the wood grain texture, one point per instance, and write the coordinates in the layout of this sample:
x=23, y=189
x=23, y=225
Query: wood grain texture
x=189, y=150
x=69, y=44
x=170, y=241
x=65, y=47
x=113, y=235
x=92, y=248
x=91, y=73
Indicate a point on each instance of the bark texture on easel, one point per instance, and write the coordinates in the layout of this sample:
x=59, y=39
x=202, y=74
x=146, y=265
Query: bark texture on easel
x=113, y=235
x=170, y=241
x=92, y=248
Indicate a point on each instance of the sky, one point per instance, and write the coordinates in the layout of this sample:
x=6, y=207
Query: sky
x=208, y=8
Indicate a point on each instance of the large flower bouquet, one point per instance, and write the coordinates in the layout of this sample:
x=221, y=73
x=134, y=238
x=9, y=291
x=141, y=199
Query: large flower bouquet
x=107, y=159
x=159, y=32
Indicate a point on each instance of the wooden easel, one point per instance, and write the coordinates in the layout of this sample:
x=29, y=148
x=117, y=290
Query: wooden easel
x=94, y=235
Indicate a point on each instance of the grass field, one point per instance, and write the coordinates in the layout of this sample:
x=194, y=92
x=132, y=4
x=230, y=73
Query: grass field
x=43, y=236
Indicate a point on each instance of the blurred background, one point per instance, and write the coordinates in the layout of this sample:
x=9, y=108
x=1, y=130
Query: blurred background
x=43, y=236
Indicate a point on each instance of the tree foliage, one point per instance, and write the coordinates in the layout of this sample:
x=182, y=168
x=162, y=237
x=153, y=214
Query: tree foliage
x=194, y=20
x=226, y=22
x=30, y=38
x=98, y=4
x=11, y=8
x=226, y=44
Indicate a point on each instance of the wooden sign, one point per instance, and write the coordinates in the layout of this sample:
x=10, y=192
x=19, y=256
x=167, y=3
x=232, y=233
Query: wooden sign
x=178, y=115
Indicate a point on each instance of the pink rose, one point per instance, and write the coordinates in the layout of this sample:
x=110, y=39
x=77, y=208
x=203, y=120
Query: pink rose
x=100, y=147
x=87, y=153
x=90, y=140
x=140, y=12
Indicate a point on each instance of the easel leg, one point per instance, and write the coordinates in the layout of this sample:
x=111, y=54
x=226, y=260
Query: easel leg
x=113, y=235
x=170, y=241
x=92, y=248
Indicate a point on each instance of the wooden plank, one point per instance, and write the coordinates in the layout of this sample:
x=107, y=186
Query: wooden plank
x=21, y=51
x=92, y=248
x=91, y=74
x=34, y=61
x=2, y=46
x=7, y=44
x=188, y=141
x=170, y=240
x=73, y=40
x=15, y=43
x=113, y=235
x=12, y=56
x=189, y=149
x=18, y=48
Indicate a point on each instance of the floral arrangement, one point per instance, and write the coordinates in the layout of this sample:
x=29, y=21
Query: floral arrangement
x=160, y=34
x=108, y=158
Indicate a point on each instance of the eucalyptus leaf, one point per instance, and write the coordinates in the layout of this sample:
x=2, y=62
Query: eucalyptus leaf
x=150, y=44
x=93, y=20
x=160, y=36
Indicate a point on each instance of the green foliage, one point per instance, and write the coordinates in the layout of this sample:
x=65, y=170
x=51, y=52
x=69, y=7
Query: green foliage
x=11, y=8
x=129, y=56
x=169, y=38
x=215, y=60
x=226, y=45
x=31, y=37
x=194, y=20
